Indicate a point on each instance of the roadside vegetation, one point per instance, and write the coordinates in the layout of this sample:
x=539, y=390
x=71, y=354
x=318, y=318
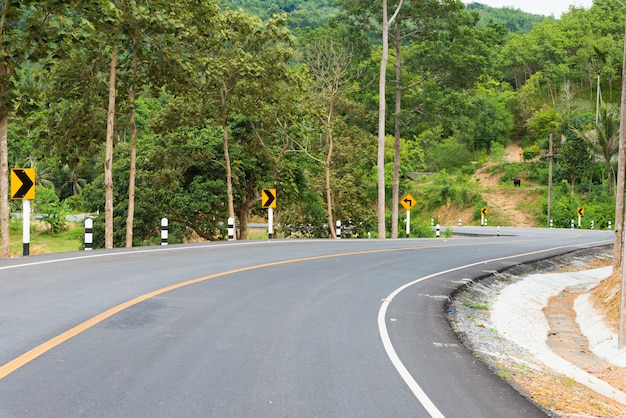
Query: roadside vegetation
x=247, y=97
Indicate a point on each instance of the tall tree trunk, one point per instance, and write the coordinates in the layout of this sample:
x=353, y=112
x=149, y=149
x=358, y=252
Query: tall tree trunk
x=133, y=154
x=229, y=173
x=5, y=73
x=4, y=184
x=244, y=210
x=108, y=158
x=329, y=195
x=619, y=210
x=382, y=233
x=395, y=195
x=243, y=221
x=621, y=174
x=133, y=171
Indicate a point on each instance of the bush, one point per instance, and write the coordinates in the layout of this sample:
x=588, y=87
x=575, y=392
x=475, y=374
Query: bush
x=75, y=203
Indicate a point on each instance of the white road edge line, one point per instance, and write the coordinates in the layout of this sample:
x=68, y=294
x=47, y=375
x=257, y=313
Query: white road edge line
x=418, y=392
x=126, y=253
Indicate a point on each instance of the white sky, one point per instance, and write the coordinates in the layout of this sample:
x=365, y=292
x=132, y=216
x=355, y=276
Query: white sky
x=540, y=7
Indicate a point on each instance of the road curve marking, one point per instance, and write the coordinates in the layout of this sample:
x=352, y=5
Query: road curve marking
x=417, y=390
x=32, y=354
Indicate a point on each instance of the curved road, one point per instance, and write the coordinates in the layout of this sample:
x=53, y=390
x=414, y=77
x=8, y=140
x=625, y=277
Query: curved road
x=311, y=328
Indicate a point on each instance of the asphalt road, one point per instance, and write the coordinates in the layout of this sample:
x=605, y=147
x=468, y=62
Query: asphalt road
x=315, y=328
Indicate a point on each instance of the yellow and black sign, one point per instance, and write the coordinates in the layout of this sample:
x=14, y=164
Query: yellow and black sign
x=408, y=202
x=580, y=211
x=268, y=198
x=484, y=211
x=22, y=183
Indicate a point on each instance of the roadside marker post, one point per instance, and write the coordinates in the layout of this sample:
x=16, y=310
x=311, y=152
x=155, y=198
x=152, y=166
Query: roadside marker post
x=164, y=231
x=437, y=233
x=88, y=234
x=338, y=229
x=231, y=229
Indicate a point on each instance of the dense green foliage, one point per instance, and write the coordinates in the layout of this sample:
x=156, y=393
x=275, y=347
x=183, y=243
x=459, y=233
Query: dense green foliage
x=512, y=20
x=227, y=99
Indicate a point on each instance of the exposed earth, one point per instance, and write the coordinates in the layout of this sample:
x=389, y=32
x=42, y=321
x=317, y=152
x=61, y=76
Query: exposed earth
x=502, y=199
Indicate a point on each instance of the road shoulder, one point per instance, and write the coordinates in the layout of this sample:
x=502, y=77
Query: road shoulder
x=505, y=320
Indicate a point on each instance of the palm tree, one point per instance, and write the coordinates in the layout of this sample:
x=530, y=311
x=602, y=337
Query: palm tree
x=604, y=137
x=73, y=182
x=43, y=173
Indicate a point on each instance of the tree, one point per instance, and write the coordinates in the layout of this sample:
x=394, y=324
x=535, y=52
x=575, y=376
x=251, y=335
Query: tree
x=603, y=138
x=329, y=65
x=491, y=119
x=424, y=30
x=386, y=22
x=25, y=35
x=250, y=56
x=575, y=159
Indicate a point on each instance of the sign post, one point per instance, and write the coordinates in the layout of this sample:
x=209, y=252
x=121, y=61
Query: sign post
x=581, y=213
x=22, y=188
x=483, y=215
x=268, y=201
x=408, y=202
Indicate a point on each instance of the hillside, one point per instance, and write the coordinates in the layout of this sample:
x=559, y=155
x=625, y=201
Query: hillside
x=513, y=20
x=504, y=199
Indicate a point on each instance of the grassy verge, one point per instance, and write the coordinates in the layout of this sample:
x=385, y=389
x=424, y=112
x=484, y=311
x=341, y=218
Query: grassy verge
x=42, y=242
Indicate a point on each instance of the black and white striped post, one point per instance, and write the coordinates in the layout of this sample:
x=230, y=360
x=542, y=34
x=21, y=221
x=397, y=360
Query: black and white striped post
x=164, y=231
x=270, y=223
x=88, y=234
x=572, y=223
x=437, y=230
x=460, y=222
x=551, y=223
x=407, y=230
x=498, y=230
x=593, y=224
x=231, y=229
x=26, y=228
x=338, y=229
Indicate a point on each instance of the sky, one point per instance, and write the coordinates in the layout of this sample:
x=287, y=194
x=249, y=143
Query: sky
x=541, y=7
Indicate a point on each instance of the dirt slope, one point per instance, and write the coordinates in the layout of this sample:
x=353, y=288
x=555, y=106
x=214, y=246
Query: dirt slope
x=503, y=199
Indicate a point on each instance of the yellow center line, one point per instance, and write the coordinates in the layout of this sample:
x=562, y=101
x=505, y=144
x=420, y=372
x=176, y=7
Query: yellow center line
x=41, y=349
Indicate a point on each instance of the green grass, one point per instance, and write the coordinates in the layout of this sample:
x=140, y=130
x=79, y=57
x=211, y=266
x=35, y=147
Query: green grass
x=42, y=242
x=475, y=305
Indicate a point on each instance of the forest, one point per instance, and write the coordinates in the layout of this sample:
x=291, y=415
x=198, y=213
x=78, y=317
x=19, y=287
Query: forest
x=133, y=111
